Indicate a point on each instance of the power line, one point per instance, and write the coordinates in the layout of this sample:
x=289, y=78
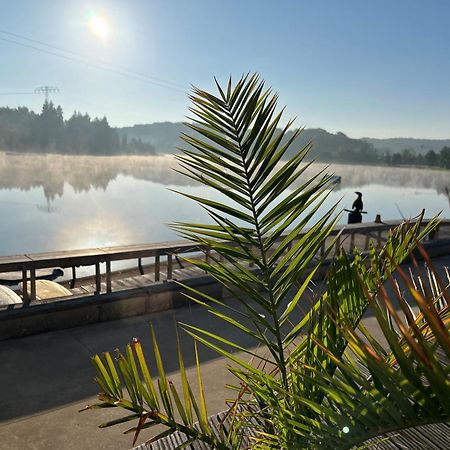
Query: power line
x=88, y=58
x=97, y=66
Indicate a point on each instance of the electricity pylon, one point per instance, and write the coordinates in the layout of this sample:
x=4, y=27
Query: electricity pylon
x=46, y=90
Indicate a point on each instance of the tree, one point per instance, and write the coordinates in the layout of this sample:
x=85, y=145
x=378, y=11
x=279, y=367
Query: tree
x=23, y=130
x=387, y=158
x=419, y=159
x=431, y=158
x=78, y=131
x=124, y=142
x=16, y=128
x=103, y=139
x=444, y=157
x=407, y=156
x=50, y=127
x=397, y=159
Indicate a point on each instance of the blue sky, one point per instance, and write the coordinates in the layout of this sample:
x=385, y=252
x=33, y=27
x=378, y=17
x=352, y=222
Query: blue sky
x=367, y=68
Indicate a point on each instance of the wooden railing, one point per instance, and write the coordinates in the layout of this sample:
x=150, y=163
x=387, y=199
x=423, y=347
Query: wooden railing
x=28, y=264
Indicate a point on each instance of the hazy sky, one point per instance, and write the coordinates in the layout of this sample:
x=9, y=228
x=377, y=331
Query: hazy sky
x=367, y=68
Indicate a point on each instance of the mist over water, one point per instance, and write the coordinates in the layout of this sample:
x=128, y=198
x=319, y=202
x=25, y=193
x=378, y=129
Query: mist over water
x=57, y=202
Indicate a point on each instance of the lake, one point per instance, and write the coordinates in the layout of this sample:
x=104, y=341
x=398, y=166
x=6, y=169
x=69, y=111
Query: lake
x=54, y=202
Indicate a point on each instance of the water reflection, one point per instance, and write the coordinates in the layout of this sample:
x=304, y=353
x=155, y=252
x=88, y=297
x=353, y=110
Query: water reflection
x=84, y=173
x=357, y=176
x=58, y=202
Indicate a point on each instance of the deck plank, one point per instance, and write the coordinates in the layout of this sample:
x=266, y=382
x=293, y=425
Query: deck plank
x=425, y=437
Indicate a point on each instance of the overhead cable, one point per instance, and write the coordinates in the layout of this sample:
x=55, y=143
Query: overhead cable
x=99, y=65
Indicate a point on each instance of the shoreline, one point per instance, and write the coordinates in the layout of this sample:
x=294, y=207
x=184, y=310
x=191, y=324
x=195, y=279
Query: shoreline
x=169, y=155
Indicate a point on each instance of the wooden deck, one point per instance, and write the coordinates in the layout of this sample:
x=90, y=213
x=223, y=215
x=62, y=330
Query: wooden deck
x=164, y=256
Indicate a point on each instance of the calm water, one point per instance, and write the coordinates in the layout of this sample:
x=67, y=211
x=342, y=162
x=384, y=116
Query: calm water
x=58, y=202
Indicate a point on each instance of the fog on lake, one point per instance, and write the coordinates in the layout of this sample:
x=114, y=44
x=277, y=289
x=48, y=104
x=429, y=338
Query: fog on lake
x=56, y=202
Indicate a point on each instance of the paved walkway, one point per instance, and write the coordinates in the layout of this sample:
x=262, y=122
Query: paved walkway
x=45, y=379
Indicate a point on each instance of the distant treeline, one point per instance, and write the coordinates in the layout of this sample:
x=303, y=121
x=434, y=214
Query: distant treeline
x=328, y=147
x=415, y=145
x=165, y=136
x=22, y=130
x=407, y=157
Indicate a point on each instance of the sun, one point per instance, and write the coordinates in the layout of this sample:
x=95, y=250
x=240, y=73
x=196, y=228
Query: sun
x=99, y=26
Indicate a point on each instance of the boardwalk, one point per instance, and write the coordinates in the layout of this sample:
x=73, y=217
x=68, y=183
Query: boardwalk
x=165, y=262
x=109, y=295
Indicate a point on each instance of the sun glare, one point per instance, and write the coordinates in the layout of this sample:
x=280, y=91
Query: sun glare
x=99, y=26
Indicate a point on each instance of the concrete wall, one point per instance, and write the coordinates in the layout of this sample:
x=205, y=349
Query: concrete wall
x=75, y=311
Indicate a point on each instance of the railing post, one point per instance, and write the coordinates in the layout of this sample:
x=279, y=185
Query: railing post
x=379, y=238
x=169, y=266
x=98, y=280
x=157, y=265
x=33, y=284
x=108, y=276
x=26, y=298
x=366, y=243
x=74, y=277
x=352, y=242
x=337, y=245
x=141, y=269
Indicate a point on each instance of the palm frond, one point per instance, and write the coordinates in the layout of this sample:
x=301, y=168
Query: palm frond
x=319, y=379
x=372, y=390
x=241, y=154
x=126, y=383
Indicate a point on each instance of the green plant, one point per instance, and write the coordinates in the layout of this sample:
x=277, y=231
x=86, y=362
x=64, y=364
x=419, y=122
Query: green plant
x=321, y=381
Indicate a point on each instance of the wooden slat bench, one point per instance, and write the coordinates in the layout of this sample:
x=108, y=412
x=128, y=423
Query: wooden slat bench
x=218, y=422
x=424, y=437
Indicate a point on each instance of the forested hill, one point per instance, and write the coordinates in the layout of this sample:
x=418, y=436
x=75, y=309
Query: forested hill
x=23, y=130
x=165, y=137
x=416, y=146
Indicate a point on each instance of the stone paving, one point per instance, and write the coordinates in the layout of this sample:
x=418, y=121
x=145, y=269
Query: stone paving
x=46, y=378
